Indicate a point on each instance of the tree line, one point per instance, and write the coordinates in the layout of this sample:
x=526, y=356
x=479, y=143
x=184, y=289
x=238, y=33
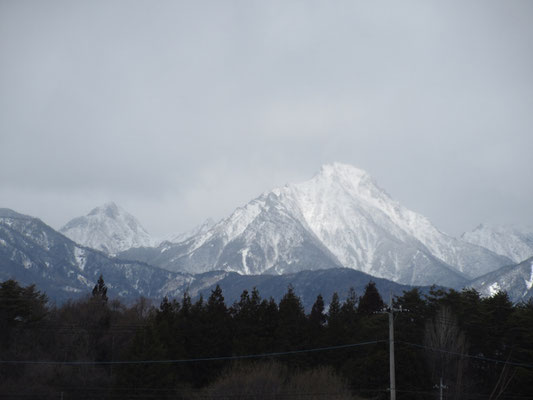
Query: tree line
x=100, y=348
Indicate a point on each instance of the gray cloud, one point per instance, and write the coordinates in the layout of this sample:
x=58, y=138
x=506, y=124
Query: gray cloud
x=183, y=110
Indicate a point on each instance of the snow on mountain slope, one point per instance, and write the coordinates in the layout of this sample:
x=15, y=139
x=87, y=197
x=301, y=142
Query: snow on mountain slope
x=340, y=217
x=261, y=237
x=107, y=228
x=516, y=280
x=350, y=214
x=31, y=252
x=510, y=241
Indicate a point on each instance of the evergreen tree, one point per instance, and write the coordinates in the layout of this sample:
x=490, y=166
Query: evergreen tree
x=186, y=305
x=216, y=307
x=291, y=327
x=334, y=309
x=317, y=326
x=267, y=322
x=23, y=312
x=317, y=318
x=334, y=329
x=247, y=323
x=100, y=290
x=371, y=300
x=349, y=311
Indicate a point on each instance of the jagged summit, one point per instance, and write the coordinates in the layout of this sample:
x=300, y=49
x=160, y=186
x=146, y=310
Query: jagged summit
x=337, y=169
x=351, y=178
x=108, y=228
x=109, y=209
x=9, y=213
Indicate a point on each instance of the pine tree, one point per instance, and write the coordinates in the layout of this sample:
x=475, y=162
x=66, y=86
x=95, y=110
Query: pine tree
x=334, y=309
x=317, y=318
x=100, y=290
x=317, y=324
x=371, y=300
x=291, y=328
x=349, y=308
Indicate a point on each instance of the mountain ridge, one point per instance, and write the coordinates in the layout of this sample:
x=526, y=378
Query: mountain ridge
x=344, y=219
x=34, y=253
x=515, y=279
x=514, y=242
x=31, y=252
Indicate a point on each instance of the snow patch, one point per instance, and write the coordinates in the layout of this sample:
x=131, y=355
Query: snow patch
x=81, y=257
x=529, y=283
x=494, y=288
x=71, y=289
x=246, y=269
x=83, y=280
x=26, y=262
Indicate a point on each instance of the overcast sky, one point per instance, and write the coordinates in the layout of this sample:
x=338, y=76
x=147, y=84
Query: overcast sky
x=183, y=110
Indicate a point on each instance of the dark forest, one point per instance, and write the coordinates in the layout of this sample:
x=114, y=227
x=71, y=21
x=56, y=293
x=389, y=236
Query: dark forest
x=100, y=348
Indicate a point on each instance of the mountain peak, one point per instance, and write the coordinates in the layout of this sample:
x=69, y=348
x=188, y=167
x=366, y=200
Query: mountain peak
x=108, y=228
x=109, y=209
x=338, y=179
x=8, y=213
x=341, y=170
x=514, y=242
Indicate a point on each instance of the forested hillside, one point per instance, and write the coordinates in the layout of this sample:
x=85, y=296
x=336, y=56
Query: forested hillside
x=257, y=348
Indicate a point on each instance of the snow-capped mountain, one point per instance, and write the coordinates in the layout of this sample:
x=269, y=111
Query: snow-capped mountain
x=513, y=242
x=340, y=217
x=33, y=253
x=516, y=280
x=260, y=238
x=107, y=228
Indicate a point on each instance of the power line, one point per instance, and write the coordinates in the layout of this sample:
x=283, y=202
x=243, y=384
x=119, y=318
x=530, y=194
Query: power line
x=517, y=364
x=191, y=360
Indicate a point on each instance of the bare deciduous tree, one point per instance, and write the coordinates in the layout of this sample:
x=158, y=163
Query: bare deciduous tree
x=447, y=345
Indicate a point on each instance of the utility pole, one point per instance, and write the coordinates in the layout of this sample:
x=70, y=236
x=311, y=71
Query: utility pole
x=390, y=310
x=391, y=352
x=440, y=387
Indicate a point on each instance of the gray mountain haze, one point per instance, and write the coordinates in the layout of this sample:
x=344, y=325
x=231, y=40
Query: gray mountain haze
x=181, y=110
x=339, y=218
x=514, y=242
x=33, y=253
